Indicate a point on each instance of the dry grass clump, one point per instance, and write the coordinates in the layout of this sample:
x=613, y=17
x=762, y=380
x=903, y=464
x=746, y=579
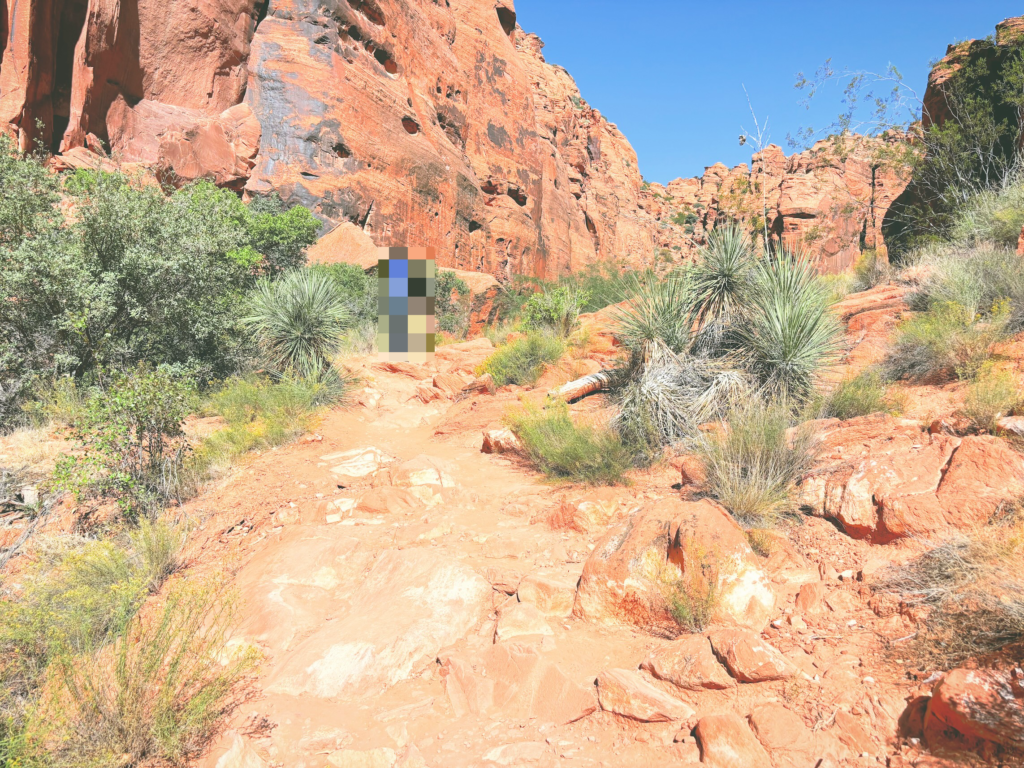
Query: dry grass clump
x=859, y=395
x=754, y=460
x=564, y=449
x=970, y=590
x=691, y=592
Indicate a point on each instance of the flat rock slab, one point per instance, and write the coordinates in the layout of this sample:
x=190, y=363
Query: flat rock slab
x=690, y=664
x=628, y=693
x=749, y=658
x=412, y=604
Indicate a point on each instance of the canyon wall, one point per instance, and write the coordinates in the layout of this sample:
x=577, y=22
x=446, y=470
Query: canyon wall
x=413, y=121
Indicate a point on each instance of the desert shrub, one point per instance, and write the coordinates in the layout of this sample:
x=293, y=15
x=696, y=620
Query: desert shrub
x=978, y=278
x=968, y=589
x=761, y=541
x=452, y=304
x=787, y=332
x=754, y=459
x=566, y=450
x=948, y=340
x=858, y=395
x=127, y=274
x=992, y=394
x=839, y=286
x=870, y=270
x=357, y=289
x=56, y=401
x=599, y=285
x=993, y=215
x=297, y=321
x=522, y=362
x=693, y=599
x=154, y=693
x=132, y=443
x=722, y=274
x=554, y=309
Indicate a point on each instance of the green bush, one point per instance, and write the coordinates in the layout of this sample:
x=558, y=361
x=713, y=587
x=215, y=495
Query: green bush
x=787, y=331
x=946, y=341
x=452, y=304
x=870, y=270
x=260, y=414
x=754, y=459
x=126, y=273
x=565, y=450
x=554, y=309
x=859, y=395
x=56, y=401
x=660, y=309
x=993, y=216
x=992, y=394
x=132, y=443
x=522, y=362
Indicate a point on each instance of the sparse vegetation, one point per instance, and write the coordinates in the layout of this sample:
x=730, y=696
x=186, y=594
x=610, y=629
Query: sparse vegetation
x=754, y=459
x=556, y=310
x=968, y=592
x=452, y=304
x=693, y=595
x=564, y=449
x=522, y=361
x=946, y=341
x=859, y=395
x=992, y=394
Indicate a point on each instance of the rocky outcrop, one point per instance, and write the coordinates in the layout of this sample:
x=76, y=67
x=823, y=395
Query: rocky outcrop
x=971, y=706
x=828, y=201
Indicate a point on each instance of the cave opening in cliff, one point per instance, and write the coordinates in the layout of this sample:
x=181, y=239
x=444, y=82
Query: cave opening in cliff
x=410, y=125
x=507, y=19
x=370, y=10
x=262, y=7
x=591, y=227
x=518, y=195
x=69, y=29
x=385, y=60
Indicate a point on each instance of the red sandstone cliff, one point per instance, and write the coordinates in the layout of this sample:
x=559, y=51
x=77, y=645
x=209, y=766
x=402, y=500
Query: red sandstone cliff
x=412, y=120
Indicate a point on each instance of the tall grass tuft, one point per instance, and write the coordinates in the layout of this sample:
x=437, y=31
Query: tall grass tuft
x=566, y=450
x=787, y=332
x=522, y=362
x=754, y=459
x=155, y=694
x=859, y=395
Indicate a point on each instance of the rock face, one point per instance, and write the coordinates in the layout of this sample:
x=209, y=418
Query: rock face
x=883, y=479
x=413, y=121
x=828, y=201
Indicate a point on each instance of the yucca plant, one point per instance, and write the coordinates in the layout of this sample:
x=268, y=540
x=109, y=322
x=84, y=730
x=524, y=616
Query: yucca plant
x=787, y=332
x=298, y=320
x=721, y=276
x=660, y=309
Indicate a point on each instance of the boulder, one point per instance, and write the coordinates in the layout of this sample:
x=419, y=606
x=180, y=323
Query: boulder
x=980, y=705
x=727, y=742
x=749, y=658
x=550, y=596
x=500, y=441
x=788, y=739
x=513, y=681
x=628, y=693
x=423, y=471
x=634, y=566
x=810, y=600
x=883, y=479
x=689, y=663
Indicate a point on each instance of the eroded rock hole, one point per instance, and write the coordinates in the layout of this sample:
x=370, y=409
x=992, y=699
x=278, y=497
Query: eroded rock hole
x=342, y=151
x=385, y=60
x=410, y=125
x=262, y=6
x=591, y=228
x=507, y=17
x=370, y=10
x=518, y=195
x=488, y=188
x=308, y=175
x=474, y=226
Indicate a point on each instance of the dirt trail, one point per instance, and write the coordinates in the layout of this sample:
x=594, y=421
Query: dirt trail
x=383, y=597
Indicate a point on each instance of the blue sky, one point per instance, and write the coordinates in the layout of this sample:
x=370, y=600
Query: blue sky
x=670, y=73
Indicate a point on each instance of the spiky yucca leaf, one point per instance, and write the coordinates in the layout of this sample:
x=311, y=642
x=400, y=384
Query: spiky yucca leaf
x=659, y=310
x=298, y=320
x=788, y=331
x=721, y=276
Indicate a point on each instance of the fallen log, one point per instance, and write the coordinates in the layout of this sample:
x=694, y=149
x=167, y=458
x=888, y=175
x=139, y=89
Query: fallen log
x=588, y=385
